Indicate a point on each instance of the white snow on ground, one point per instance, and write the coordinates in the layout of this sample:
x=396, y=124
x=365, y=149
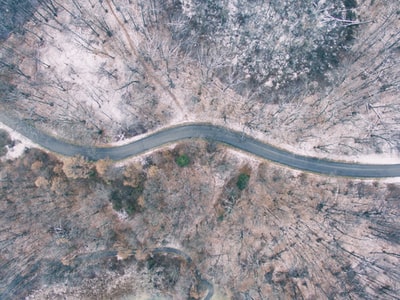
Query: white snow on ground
x=391, y=180
x=65, y=55
x=21, y=143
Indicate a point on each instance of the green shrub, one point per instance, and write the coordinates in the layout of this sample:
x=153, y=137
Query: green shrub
x=243, y=181
x=182, y=160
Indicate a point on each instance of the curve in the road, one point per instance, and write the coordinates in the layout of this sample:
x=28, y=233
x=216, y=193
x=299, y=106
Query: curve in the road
x=205, y=131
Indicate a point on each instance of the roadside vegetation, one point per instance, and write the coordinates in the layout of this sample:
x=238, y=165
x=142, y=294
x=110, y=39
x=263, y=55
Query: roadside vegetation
x=298, y=234
x=183, y=160
x=243, y=181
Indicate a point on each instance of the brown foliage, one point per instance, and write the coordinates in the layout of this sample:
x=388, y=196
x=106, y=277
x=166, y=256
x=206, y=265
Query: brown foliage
x=77, y=167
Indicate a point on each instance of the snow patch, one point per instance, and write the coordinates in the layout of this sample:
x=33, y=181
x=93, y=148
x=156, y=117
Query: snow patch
x=21, y=143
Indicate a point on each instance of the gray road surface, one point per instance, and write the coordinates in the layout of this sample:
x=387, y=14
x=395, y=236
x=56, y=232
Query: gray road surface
x=219, y=134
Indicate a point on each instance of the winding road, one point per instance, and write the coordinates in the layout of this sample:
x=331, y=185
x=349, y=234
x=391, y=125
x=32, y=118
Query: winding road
x=210, y=132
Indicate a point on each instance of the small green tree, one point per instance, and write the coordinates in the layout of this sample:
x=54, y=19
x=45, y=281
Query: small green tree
x=243, y=181
x=182, y=160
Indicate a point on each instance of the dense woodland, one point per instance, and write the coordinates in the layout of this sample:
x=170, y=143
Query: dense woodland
x=318, y=76
x=275, y=234
x=269, y=46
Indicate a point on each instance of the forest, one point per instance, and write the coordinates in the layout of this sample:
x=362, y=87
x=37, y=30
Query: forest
x=197, y=219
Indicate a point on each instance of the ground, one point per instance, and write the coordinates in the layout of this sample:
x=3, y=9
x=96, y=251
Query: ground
x=316, y=79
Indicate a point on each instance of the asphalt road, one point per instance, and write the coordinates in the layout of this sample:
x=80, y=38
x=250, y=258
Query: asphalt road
x=205, y=131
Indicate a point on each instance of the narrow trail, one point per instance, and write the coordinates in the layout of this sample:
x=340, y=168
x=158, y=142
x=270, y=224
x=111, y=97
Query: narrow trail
x=146, y=68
